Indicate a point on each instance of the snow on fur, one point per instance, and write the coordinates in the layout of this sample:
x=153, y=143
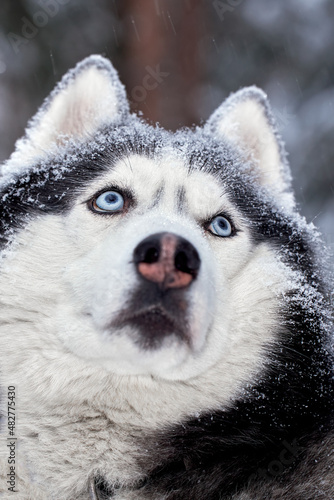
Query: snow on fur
x=200, y=415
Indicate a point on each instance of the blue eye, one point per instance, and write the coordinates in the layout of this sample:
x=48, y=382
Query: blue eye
x=220, y=226
x=110, y=201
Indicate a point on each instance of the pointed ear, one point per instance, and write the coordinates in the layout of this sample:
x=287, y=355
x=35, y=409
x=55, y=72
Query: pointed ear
x=246, y=120
x=89, y=97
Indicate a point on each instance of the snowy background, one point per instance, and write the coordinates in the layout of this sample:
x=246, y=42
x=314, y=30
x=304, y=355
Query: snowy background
x=179, y=60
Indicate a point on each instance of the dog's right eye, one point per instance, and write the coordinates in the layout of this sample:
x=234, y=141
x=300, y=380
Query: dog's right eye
x=110, y=201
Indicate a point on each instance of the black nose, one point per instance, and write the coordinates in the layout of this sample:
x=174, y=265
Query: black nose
x=168, y=260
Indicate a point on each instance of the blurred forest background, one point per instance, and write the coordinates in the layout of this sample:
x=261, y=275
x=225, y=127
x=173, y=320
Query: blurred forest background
x=179, y=60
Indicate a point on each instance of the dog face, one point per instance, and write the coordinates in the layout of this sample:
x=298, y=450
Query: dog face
x=139, y=245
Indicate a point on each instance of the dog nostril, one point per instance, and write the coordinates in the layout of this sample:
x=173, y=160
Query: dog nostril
x=187, y=259
x=151, y=255
x=148, y=251
x=181, y=261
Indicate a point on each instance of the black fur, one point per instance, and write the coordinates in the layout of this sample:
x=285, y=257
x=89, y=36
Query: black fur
x=291, y=406
x=47, y=189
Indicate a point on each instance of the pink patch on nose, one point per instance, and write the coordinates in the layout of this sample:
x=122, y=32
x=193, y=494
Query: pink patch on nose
x=164, y=271
x=158, y=273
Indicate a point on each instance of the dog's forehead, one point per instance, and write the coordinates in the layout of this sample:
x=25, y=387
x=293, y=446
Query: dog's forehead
x=168, y=181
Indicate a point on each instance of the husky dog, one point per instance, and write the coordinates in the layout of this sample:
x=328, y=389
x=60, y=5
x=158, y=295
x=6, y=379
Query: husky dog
x=165, y=324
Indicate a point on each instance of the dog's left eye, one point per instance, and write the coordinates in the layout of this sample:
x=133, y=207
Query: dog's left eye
x=220, y=226
x=110, y=201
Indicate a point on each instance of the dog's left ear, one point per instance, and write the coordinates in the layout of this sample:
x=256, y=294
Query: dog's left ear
x=89, y=97
x=245, y=119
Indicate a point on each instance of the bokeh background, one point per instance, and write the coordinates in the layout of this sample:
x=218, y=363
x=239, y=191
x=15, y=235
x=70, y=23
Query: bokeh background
x=179, y=60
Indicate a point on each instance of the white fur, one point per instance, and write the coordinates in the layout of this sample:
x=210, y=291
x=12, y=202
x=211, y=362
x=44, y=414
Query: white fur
x=247, y=126
x=88, y=393
x=89, y=97
x=86, y=396
x=246, y=120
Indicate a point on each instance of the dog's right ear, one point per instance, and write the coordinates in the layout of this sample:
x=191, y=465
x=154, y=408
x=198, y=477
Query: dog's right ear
x=89, y=97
